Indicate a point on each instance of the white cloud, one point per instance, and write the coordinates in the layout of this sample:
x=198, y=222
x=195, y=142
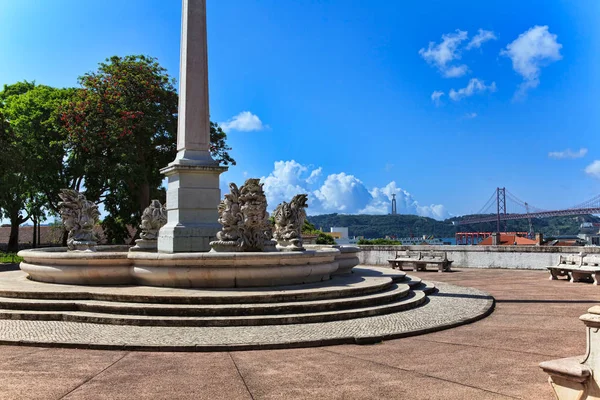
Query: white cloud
x=435, y=97
x=474, y=86
x=286, y=181
x=482, y=37
x=406, y=204
x=314, y=175
x=568, y=153
x=341, y=193
x=442, y=54
x=529, y=52
x=244, y=121
x=593, y=169
x=470, y=115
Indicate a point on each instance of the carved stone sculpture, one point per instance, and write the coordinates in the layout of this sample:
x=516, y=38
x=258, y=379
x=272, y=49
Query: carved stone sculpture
x=243, y=214
x=153, y=218
x=289, y=218
x=79, y=217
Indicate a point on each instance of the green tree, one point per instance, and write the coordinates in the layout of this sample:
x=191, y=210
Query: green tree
x=324, y=238
x=38, y=166
x=123, y=122
x=34, y=167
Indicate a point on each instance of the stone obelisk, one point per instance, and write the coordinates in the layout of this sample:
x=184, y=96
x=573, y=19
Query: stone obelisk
x=193, y=192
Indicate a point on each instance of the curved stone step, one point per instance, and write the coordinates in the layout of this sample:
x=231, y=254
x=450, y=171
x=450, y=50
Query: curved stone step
x=15, y=285
x=425, y=287
x=381, y=272
x=414, y=299
x=393, y=293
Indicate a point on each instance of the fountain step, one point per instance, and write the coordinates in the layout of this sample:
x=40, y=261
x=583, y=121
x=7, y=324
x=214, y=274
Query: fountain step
x=390, y=294
x=414, y=299
x=16, y=285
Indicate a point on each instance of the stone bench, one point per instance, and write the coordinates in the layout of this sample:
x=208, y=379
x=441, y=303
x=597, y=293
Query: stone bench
x=420, y=259
x=577, y=267
x=576, y=378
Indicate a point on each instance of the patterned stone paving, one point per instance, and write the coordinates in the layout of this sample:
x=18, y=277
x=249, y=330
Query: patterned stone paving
x=451, y=306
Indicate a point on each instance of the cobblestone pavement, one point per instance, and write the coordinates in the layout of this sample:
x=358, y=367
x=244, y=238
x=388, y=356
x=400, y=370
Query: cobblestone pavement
x=451, y=306
x=497, y=357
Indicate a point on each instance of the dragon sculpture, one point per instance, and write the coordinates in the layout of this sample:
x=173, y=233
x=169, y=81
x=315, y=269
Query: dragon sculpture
x=79, y=217
x=289, y=218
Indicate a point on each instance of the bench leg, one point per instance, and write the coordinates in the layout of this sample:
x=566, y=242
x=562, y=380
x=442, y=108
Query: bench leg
x=553, y=275
x=596, y=276
x=578, y=276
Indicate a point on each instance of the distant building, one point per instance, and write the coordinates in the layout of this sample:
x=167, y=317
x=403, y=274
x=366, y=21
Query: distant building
x=509, y=240
x=340, y=234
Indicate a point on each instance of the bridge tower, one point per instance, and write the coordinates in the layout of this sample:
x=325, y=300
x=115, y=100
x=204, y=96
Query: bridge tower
x=394, y=210
x=501, y=206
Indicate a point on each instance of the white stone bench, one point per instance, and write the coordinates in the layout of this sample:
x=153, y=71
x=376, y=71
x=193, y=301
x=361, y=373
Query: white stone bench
x=420, y=259
x=577, y=267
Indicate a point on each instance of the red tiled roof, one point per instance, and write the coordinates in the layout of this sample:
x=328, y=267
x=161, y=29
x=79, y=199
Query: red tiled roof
x=509, y=240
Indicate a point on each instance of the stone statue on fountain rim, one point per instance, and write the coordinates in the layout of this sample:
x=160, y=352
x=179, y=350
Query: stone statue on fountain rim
x=154, y=217
x=289, y=219
x=246, y=226
x=79, y=217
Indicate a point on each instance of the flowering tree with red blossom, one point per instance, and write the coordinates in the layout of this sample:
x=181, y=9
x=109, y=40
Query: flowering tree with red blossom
x=123, y=123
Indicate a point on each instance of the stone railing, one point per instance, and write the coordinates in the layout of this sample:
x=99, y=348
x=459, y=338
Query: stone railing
x=527, y=257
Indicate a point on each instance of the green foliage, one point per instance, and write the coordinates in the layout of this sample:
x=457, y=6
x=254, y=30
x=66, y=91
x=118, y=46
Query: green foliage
x=30, y=134
x=11, y=258
x=324, y=238
x=123, y=122
x=371, y=242
x=309, y=228
x=379, y=226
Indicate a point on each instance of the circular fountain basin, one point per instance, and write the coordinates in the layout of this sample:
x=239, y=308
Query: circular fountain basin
x=111, y=265
x=347, y=259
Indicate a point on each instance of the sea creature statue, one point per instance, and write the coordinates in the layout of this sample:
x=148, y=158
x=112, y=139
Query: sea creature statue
x=243, y=214
x=289, y=218
x=79, y=217
x=154, y=217
x=230, y=216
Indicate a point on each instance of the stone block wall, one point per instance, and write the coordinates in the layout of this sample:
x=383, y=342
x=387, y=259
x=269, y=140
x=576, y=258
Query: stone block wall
x=526, y=257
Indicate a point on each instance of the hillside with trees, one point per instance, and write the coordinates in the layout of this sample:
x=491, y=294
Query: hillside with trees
x=380, y=226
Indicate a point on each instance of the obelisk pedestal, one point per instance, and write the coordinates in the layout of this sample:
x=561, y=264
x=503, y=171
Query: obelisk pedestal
x=193, y=192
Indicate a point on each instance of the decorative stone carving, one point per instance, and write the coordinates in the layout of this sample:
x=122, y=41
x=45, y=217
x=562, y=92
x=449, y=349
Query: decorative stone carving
x=243, y=214
x=289, y=218
x=154, y=217
x=79, y=217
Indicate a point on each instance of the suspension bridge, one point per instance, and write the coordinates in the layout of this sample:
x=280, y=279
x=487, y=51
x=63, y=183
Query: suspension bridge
x=496, y=210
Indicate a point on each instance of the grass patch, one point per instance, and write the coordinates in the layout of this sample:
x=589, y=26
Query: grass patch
x=11, y=258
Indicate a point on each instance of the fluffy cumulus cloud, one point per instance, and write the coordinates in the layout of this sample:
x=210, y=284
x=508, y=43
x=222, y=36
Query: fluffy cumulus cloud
x=568, y=153
x=473, y=87
x=442, y=54
x=593, y=169
x=244, y=121
x=436, y=97
x=529, y=52
x=341, y=193
x=479, y=39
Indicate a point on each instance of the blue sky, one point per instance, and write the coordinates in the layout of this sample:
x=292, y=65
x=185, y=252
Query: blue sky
x=336, y=98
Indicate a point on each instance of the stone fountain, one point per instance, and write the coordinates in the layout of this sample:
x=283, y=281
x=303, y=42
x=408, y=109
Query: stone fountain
x=194, y=240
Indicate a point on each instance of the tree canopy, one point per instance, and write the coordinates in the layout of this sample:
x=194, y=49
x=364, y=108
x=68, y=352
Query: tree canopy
x=110, y=137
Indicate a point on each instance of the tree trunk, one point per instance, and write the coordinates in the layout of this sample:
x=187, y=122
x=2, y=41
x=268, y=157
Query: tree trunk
x=65, y=236
x=35, y=238
x=13, y=240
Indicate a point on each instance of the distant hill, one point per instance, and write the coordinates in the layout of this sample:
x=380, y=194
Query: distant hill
x=379, y=226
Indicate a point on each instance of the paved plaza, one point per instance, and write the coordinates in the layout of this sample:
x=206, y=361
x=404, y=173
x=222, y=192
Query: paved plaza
x=495, y=358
